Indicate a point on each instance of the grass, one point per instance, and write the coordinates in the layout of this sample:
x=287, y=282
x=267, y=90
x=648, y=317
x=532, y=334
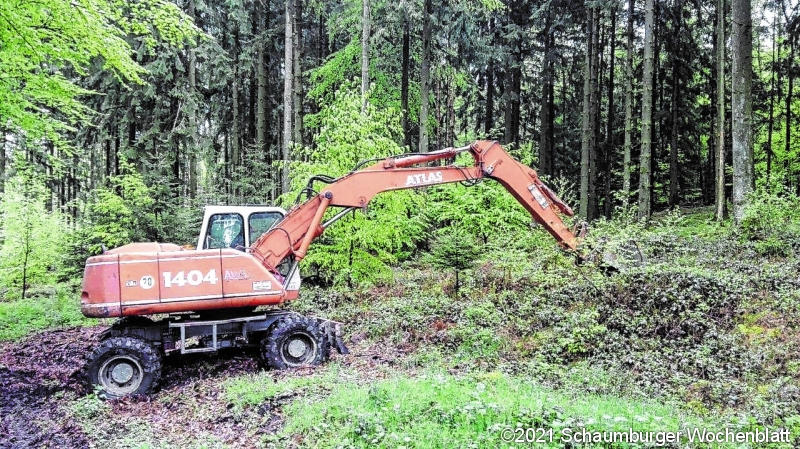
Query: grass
x=340, y=408
x=256, y=388
x=51, y=308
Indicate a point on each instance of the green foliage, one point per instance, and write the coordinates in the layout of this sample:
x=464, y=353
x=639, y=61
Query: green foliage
x=67, y=37
x=91, y=407
x=337, y=72
x=120, y=213
x=454, y=248
x=772, y=220
x=360, y=247
x=257, y=388
x=485, y=210
x=437, y=411
x=45, y=307
x=30, y=235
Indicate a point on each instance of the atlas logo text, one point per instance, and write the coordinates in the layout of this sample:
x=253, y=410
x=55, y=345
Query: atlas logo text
x=423, y=178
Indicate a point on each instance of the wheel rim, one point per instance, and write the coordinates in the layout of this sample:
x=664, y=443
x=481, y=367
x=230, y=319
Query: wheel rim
x=298, y=349
x=121, y=375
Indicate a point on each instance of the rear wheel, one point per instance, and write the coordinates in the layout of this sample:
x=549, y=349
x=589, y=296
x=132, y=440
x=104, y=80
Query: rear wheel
x=123, y=366
x=294, y=341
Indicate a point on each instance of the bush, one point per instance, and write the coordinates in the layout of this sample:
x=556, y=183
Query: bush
x=772, y=220
x=454, y=248
x=60, y=306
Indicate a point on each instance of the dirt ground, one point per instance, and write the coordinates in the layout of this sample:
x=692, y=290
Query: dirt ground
x=41, y=376
x=35, y=374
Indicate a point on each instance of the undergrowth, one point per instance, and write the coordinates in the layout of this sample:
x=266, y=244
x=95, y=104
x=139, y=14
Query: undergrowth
x=710, y=322
x=43, y=307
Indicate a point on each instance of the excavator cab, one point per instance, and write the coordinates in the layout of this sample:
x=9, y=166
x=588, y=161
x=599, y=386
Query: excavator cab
x=236, y=227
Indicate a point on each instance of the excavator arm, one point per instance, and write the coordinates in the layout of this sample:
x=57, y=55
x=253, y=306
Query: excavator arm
x=293, y=235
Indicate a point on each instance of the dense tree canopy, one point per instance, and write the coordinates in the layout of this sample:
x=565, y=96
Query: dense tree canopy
x=47, y=46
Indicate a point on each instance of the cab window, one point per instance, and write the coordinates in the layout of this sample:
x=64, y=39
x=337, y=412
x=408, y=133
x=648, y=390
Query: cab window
x=261, y=222
x=224, y=231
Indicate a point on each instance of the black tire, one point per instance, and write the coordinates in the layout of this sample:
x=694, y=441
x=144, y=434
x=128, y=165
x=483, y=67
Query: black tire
x=122, y=366
x=129, y=326
x=132, y=321
x=294, y=341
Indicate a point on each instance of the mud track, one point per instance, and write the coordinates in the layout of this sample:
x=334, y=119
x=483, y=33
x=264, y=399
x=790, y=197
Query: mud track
x=34, y=374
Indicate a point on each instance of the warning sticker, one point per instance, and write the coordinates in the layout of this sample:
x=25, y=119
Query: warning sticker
x=260, y=286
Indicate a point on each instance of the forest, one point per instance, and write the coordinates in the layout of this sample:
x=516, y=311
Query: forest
x=666, y=122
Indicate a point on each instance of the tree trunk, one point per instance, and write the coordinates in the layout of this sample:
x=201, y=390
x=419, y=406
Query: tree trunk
x=236, y=132
x=588, y=119
x=742, y=104
x=192, y=111
x=626, y=161
x=108, y=173
x=546, y=111
x=287, y=93
x=676, y=80
x=116, y=151
x=720, y=203
x=366, y=23
x=594, y=103
x=647, y=112
x=425, y=75
x=771, y=120
x=789, y=99
x=261, y=113
x=26, y=254
x=451, y=114
x=322, y=47
x=609, y=144
x=489, y=113
x=3, y=160
x=297, y=72
x=404, y=84
x=437, y=115
x=512, y=92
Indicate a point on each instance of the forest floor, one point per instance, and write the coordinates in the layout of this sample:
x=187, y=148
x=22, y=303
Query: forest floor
x=47, y=404
x=706, y=335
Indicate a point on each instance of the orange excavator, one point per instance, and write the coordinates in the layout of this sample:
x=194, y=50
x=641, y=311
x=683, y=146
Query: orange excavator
x=210, y=295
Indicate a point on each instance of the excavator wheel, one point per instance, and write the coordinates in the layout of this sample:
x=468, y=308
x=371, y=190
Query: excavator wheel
x=122, y=366
x=294, y=341
x=131, y=321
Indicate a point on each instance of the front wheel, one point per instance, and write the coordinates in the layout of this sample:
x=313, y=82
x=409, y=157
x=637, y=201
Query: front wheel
x=294, y=341
x=123, y=366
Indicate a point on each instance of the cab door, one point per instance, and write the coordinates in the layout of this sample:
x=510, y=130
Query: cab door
x=258, y=223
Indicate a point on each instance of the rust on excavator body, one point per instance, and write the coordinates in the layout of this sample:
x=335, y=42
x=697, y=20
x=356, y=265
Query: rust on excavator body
x=153, y=278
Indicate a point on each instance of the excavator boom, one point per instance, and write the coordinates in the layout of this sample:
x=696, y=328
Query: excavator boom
x=303, y=224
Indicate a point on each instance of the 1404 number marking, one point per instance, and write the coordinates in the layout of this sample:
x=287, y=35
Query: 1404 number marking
x=194, y=277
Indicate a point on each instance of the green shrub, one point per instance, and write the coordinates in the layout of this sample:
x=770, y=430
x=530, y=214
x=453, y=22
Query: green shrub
x=52, y=307
x=442, y=411
x=454, y=248
x=772, y=220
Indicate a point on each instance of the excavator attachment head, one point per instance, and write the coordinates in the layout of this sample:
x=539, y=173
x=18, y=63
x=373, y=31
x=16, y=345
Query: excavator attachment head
x=616, y=255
